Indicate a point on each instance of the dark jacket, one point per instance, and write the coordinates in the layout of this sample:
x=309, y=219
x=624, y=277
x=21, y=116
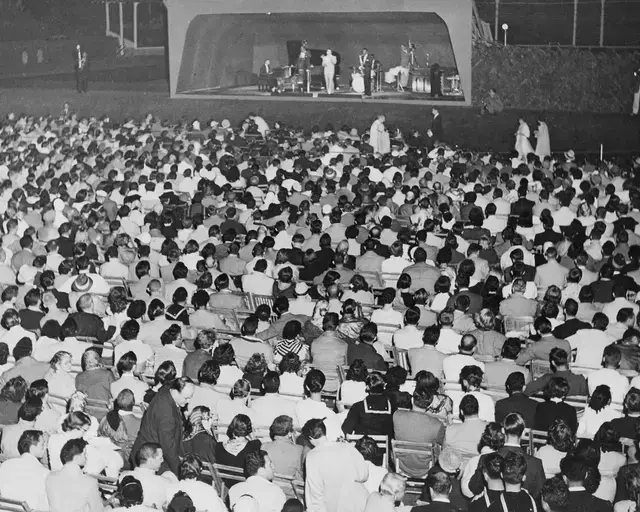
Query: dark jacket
x=90, y=324
x=162, y=424
x=193, y=362
x=583, y=501
x=569, y=328
x=368, y=354
x=548, y=412
x=520, y=403
x=371, y=416
x=534, y=477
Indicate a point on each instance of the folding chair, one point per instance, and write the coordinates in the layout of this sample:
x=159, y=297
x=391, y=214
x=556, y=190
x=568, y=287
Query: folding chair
x=381, y=441
x=108, y=486
x=9, y=505
x=534, y=439
x=518, y=326
x=227, y=474
x=401, y=358
x=415, y=454
x=298, y=490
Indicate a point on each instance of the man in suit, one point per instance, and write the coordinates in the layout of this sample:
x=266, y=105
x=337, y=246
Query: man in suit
x=517, y=304
x=541, y=349
x=523, y=208
x=436, y=132
x=551, y=273
x=285, y=454
x=427, y=357
x=162, y=422
x=571, y=324
x=82, y=72
x=497, y=372
x=369, y=261
x=90, y=324
x=574, y=469
x=365, y=350
x=366, y=63
x=559, y=362
x=517, y=400
x=266, y=74
x=329, y=349
x=422, y=275
x=514, y=427
x=439, y=485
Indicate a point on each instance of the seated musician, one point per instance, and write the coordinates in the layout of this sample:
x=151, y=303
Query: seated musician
x=266, y=74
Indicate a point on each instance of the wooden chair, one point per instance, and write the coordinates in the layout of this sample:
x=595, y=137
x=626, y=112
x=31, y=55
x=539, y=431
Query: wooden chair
x=385, y=334
x=518, y=325
x=533, y=439
x=108, y=486
x=381, y=441
x=388, y=279
x=401, y=358
x=257, y=300
x=333, y=380
x=225, y=474
x=298, y=490
x=9, y=505
x=425, y=453
x=370, y=277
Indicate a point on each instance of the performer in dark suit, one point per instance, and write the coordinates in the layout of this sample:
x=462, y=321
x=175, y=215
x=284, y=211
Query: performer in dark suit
x=266, y=73
x=436, y=81
x=436, y=132
x=304, y=64
x=366, y=64
x=162, y=422
x=82, y=71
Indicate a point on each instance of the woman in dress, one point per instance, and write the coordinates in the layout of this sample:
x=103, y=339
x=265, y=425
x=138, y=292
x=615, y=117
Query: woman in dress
x=329, y=62
x=523, y=146
x=379, y=136
x=543, y=146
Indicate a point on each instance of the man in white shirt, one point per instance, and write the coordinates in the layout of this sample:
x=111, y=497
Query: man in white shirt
x=589, y=344
x=453, y=364
x=148, y=460
x=409, y=336
x=609, y=375
x=335, y=473
x=11, y=434
x=70, y=490
x=205, y=392
x=129, y=333
x=23, y=478
x=259, y=470
x=126, y=366
x=620, y=301
x=271, y=405
x=449, y=340
x=257, y=282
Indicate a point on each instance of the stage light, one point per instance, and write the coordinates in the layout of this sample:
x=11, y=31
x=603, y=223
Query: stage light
x=505, y=27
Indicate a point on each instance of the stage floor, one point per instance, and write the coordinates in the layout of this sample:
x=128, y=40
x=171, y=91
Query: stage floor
x=344, y=93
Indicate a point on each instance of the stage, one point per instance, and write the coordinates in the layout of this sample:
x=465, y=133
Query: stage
x=250, y=92
x=219, y=50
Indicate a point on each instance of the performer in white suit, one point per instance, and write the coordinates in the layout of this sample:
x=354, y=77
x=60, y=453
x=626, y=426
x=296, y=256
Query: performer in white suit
x=523, y=146
x=379, y=137
x=543, y=146
x=329, y=62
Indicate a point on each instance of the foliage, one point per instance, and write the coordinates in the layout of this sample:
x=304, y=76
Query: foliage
x=555, y=79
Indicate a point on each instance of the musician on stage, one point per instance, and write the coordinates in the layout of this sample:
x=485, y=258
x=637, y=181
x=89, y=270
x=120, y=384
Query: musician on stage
x=329, y=62
x=82, y=71
x=266, y=73
x=376, y=66
x=365, y=68
x=304, y=64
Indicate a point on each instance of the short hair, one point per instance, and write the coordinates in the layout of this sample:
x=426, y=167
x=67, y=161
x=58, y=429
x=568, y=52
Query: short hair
x=28, y=439
x=469, y=406
x=30, y=409
x=412, y=316
x=511, y=348
x=375, y=383
x=468, y=342
x=514, y=468
x=607, y=438
x=631, y=401
x=473, y=375
x=368, y=448
x=515, y=382
x=315, y=429
x=240, y=426
x=224, y=354
x=574, y=468
x=190, y=468
x=555, y=494
x=91, y=359
x=146, y=452
x=492, y=465
x=314, y=381
x=368, y=332
x=205, y=339
x=15, y=389
x=431, y=335
x=557, y=387
x=127, y=362
x=393, y=485
x=422, y=398
x=558, y=357
x=560, y=436
x=254, y=461
x=71, y=449
x=600, y=321
x=513, y=424
x=439, y=482
x=270, y=382
x=600, y=398
x=209, y=372
x=281, y=426
x=125, y=400
x=130, y=330
x=611, y=355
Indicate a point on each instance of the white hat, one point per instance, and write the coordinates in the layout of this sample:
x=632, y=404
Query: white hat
x=570, y=155
x=301, y=288
x=144, y=238
x=27, y=274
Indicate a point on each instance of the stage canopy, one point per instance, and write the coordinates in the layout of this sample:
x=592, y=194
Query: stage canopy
x=215, y=44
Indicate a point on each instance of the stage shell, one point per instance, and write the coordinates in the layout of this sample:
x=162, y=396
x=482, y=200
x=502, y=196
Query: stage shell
x=457, y=15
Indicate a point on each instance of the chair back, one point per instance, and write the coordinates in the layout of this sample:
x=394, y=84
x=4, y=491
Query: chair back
x=256, y=300
x=108, y=486
x=381, y=441
x=298, y=490
x=414, y=454
x=534, y=439
x=9, y=505
x=518, y=326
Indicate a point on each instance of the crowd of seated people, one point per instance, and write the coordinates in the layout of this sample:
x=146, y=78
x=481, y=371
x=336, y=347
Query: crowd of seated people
x=176, y=303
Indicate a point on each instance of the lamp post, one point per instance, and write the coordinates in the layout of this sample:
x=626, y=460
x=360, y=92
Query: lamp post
x=505, y=27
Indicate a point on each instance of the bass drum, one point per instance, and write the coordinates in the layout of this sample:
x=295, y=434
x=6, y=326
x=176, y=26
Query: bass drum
x=421, y=84
x=357, y=83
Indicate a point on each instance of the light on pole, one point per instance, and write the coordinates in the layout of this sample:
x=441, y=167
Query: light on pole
x=505, y=27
